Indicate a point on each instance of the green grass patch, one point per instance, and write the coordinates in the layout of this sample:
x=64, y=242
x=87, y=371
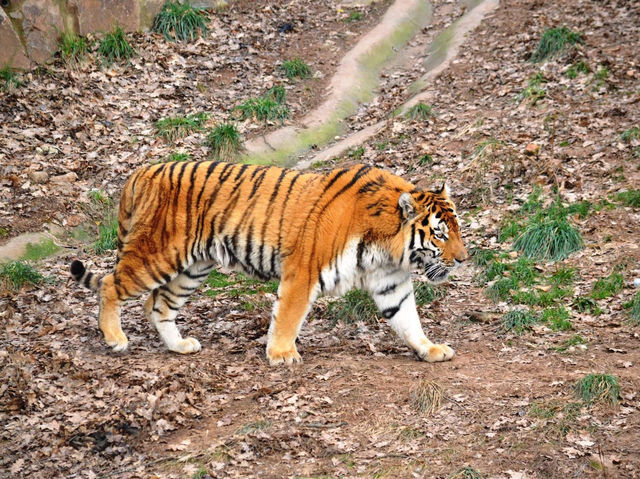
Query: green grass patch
x=73, y=48
x=200, y=473
x=356, y=153
x=541, y=411
x=425, y=160
x=354, y=16
x=548, y=238
x=534, y=92
x=557, y=318
x=563, y=276
x=609, y=286
x=355, y=306
x=238, y=285
x=43, y=249
x=99, y=198
x=107, y=235
x=178, y=156
x=518, y=321
x=634, y=310
x=629, y=198
x=630, y=135
x=269, y=107
x=541, y=298
x=482, y=257
x=16, y=274
x=586, y=304
x=295, y=68
x=114, y=47
x=419, y=112
x=578, y=67
x=175, y=127
x=224, y=142
x=426, y=293
x=180, y=21
x=573, y=341
x=598, y=388
x=553, y=42
x=10, y=80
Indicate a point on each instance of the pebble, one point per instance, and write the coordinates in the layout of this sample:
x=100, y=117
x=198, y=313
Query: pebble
x=636, y=282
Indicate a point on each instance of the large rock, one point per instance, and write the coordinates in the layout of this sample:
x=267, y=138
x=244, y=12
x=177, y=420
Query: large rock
x=11, y=52
x=148, y=11
x=42, y=25
x=104, y=15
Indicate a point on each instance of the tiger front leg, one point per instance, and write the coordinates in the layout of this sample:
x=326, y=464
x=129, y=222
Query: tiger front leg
x=394, y=297
x=289, y=311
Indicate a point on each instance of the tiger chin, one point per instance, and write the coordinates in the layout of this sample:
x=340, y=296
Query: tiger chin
x=319, y=234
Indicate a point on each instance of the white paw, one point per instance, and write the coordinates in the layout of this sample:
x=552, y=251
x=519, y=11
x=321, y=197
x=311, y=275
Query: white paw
x=119, y=345
x=433, y=353
x=188, y=346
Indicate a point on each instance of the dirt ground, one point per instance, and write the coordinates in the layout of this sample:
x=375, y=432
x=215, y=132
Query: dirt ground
x=69, y=407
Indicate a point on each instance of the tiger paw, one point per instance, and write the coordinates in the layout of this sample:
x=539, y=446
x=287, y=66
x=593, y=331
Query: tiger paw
x=187, y=346
x=118, y=342
x=289, y=356
x=433, y=353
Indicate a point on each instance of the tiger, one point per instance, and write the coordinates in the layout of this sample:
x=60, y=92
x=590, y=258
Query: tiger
x=318, y=233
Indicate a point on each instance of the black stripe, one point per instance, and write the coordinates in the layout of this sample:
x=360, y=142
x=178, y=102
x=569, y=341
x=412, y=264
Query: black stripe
x=284, y=209
x=413, y=236
x=359, y=255
x=87, y=280
x=387, y=289
x=391, y=312
x=334, y=179
x=257, y=184
x=243, y=168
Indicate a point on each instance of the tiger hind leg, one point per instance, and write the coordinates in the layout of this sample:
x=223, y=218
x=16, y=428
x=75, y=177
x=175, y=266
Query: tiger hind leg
x=161, y=308
x=109, y=318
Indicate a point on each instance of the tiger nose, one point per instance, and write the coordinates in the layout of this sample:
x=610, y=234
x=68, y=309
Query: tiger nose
x=462, y=255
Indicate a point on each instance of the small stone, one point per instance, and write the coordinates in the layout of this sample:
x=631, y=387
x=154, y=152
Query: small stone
x=39, y=177
x=66, y=178
x=532, y=149
x=636, y=282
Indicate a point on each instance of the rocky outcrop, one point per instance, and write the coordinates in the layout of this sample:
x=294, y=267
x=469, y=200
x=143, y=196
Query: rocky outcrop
x=12, y=52
x=30, y=29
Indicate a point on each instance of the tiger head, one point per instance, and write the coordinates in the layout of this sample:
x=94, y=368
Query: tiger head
x=434, y=243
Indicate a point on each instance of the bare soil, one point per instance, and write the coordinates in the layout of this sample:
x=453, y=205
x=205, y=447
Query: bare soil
x=69, y=407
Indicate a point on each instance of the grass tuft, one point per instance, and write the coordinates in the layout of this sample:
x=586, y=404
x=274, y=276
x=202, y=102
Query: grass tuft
x=572, y=342
x=548, y=236
x=634, y=310
x=563, y=276
x=598, y=388
x=426, y=397
x=419, y=111
x=557, y=318
x=178, y=156
x=466, y=472
x=224, y=141
x=553, y=42
x=262, y=109
x=585, y=304
x=73, y=48
x=353, y=307
x=180, y=21
x=609, y=286
x=482, y=257
x=629, y=198
x=114, y=47
x=631, y=134
x=534, y=92
x=175, y=127
x=426, y=293
x=354, y=16
x=295, y=68
x=579, y=67
x=16, y=274
x=107, y=235
x=9, y=78
x=518, y=321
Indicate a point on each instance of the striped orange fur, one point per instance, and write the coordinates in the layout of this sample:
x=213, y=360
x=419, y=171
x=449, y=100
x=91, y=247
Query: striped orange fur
x=318, y=233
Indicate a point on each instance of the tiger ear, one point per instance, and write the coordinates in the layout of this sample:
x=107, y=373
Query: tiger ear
x=443, y=191
x=407, y=207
